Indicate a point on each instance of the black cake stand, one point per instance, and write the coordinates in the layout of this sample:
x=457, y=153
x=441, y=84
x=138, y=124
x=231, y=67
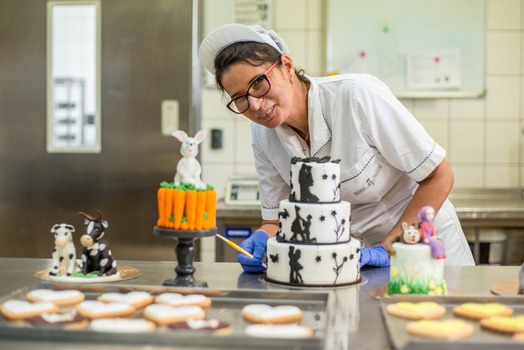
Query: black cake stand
x=185, y=254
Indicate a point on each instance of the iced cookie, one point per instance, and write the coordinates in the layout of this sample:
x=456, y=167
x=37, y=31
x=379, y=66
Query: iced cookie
x=425, y=310
x=451, y=330
x=58, y=297
x=137, y=299
x=69, y=320
x=175, y=299
x=262, y=313
x=122, y=325
x=163, y=314
x=94, y=309
x=208, y=326
x=281, y=331
x=519, y=337
x=478, y=311
x=20, y=309
x=504, y=324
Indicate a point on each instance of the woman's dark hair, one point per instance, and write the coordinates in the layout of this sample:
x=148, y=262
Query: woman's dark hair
x=250, y=52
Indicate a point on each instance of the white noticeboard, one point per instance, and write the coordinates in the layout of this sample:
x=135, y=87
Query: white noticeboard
x=419, y=48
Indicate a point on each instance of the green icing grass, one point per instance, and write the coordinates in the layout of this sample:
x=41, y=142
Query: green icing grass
x=185, y=187
x=81, y=275
x=410, y=286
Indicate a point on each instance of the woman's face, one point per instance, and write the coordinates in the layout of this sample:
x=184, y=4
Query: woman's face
x=271, y=110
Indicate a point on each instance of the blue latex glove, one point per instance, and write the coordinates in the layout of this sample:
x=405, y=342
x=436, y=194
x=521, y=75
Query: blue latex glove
x=256, y=245
x=376, y=256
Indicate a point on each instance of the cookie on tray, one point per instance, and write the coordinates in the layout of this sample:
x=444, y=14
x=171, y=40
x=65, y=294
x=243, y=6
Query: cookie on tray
x=69, y=319
x=206, y=326
x=176, y=299
x=450, y=330
x=122, y=325
x=138, y=299
x=426, y=310
x=281, y=331
x=21, y=309
x=262, y=313
x=58, y=297
x=504, y=324
x=94, y=309
x=163, y=314
x=478, y=311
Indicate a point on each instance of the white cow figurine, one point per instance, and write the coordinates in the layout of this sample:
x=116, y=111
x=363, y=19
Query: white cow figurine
x=64, y=253
x=188, y=169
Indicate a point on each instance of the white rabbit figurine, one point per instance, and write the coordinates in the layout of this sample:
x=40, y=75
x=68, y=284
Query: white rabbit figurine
x=188, y=169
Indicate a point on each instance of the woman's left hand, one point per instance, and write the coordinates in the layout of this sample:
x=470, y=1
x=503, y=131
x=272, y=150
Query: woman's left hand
x=376, y=256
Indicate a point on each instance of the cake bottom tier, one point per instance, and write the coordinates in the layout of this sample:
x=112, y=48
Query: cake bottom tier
x=414, y=271
x=313, y=265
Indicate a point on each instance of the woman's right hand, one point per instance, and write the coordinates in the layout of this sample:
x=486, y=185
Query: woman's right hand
x=256, y=245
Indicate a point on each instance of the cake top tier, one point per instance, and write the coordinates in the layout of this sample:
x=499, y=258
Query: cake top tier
x=315, y=180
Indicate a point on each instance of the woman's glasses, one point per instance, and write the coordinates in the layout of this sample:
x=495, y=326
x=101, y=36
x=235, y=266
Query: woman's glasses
x=258, y=88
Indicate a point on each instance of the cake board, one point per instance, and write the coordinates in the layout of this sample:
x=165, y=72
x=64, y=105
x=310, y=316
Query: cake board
x=125, y=273
x=185, y=253
x=506, y=288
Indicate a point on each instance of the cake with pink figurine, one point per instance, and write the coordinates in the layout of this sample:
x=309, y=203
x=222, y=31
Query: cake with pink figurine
x=417, y=260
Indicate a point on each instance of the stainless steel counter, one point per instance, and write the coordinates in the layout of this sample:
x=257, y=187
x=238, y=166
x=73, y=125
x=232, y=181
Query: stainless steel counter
x=359, y=323
x=476, y=209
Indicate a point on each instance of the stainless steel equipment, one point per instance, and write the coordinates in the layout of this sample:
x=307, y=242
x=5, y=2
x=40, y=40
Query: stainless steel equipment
x=148, y=50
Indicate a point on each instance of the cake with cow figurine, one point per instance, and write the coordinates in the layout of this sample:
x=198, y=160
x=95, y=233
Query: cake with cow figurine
x=187, y=203
x=97, y=263
x=417, y=258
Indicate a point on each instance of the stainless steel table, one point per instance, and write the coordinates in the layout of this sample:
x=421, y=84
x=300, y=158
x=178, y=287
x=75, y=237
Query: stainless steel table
x=358, y=320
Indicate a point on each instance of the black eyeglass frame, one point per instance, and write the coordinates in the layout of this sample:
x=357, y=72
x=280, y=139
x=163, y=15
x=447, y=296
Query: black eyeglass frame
x=247, y=94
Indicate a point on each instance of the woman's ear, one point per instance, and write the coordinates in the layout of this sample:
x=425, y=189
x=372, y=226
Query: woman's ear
x=288, y=66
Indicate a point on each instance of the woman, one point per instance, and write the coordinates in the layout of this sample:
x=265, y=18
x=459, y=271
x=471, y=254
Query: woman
x=390, y=166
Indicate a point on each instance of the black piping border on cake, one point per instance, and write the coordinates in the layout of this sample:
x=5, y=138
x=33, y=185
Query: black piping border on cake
x=299, y=243
x=267, y=279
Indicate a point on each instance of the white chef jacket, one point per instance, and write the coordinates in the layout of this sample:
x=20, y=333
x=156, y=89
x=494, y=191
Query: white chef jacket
x=383, y=152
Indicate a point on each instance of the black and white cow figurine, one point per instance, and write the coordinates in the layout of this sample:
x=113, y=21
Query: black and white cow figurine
x=96, y=255
x=64, y=253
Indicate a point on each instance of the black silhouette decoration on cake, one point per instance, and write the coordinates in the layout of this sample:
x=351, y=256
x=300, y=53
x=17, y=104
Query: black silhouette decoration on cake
x=306, y=181
x=274, y=258
x=295, y=266
x=300, y=227
x=338, y=266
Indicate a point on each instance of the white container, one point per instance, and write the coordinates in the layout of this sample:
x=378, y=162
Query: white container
x=492, y=243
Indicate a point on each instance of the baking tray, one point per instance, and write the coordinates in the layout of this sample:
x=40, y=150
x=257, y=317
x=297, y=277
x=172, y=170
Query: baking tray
x=481, y=339
x=226, y=306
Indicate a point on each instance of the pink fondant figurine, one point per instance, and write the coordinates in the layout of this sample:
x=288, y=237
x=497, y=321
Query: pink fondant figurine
x=428, y=233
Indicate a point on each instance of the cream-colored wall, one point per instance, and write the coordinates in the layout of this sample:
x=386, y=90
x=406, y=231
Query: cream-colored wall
x=482, y=136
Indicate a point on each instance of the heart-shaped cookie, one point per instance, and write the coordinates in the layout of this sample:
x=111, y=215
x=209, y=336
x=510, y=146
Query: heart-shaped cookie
x=93, y=309
x=416, y=311
x=503, y=324
x=136, y=298
x=262, y=313
x=164, y=314
x=176, y=299
x=280, y=331
x=20, y=309
x=479, y=311
x=452, y=329
x=122, y=325
x=58, y=297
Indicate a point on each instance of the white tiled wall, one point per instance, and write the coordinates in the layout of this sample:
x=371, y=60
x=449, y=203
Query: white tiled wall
x=483, y=136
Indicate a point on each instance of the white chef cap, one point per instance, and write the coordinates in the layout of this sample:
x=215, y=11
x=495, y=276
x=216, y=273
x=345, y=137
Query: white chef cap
x=233, y=33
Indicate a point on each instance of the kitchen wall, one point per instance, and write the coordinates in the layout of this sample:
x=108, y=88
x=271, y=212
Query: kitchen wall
x=483, y=136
